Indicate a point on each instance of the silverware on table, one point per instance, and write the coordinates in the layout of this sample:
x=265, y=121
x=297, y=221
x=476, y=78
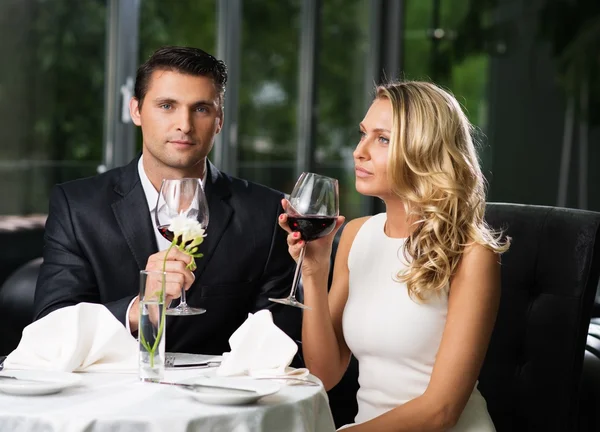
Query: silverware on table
x=31, y=380
x=298, y=381
x=210, y=386
x=170, y=363
x=204, y=364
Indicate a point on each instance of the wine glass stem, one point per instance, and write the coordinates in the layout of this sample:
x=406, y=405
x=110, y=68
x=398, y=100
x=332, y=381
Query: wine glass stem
x=297, y=273
x=182, y=302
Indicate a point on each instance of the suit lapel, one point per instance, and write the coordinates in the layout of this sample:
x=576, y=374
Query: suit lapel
x=217, y=191
x=132, y=214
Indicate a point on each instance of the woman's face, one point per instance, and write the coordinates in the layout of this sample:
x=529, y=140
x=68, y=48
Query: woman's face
x=371, y=153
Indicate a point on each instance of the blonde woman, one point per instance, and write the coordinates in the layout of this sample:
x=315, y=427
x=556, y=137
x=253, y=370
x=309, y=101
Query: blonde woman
x=415, y=290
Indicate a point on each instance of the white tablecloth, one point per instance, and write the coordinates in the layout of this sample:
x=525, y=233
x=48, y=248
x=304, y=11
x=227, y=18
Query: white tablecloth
x=120, y=402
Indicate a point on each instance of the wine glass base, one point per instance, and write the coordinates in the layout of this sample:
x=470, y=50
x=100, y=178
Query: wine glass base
x=184, y=311
x=290, y=301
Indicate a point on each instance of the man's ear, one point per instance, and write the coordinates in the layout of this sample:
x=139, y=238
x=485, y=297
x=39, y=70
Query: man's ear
x=134, y=111
x=220, y=125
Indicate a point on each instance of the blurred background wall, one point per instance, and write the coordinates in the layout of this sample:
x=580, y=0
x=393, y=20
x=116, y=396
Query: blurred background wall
x=301, y=77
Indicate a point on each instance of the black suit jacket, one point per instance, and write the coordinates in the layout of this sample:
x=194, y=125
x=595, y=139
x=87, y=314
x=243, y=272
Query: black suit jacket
x=99, y=235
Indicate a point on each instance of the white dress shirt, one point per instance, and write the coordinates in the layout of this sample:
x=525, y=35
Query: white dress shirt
x=152, y=198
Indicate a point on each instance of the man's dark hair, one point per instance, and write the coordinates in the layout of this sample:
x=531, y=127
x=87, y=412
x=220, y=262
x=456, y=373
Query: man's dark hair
x=185, y=60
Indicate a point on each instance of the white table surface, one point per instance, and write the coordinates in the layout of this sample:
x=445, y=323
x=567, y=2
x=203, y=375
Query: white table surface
x=120, y=402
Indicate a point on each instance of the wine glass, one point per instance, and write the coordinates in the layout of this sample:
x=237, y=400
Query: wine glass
x=313, y=209
x=181, y=197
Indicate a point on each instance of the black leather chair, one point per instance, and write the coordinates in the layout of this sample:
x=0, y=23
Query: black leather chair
x=16, y=304
x=25, y=236
x=532, y=373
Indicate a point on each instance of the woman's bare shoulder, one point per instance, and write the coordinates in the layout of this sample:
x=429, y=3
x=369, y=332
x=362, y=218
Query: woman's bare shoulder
x=476, y=254
x=352, y=228
x=477, y=264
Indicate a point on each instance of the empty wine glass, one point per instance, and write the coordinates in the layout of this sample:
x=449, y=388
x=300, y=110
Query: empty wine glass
x=312, y=210
x=179, y=197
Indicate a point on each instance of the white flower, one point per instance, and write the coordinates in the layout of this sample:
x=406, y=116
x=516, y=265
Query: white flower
x=188, y=234
x=187, y=228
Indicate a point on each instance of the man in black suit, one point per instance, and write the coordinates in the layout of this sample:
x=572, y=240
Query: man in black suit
x=99, y=232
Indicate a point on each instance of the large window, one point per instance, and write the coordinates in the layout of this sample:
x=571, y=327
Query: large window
x=445, y=43
x=268, y=95
x=184, y=22
x=269, y=86
x=68, y=66
x=340, y=96
x=51, y=82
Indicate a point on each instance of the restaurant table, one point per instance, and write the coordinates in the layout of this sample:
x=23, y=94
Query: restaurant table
x=120, y=402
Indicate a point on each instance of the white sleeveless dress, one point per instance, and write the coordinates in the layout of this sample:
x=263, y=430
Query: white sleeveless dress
x=394, y=338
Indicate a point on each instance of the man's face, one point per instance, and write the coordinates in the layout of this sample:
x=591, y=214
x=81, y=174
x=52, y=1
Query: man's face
x=179, y=117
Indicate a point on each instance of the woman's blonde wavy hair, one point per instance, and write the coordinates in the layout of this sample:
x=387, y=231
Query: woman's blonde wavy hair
x=433, y=167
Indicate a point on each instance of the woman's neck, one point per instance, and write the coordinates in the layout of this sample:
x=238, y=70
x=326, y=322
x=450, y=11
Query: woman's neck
x=397, y=225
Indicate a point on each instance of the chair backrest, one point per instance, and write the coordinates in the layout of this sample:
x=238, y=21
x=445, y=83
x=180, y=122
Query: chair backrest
x=16, y=304
x=532, y=370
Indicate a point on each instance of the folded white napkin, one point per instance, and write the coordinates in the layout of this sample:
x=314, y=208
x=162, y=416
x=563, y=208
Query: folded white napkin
x=260, y=349
x=85, y=337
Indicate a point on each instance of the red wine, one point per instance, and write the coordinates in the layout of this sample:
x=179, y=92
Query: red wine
x=164, y=231
x=312, y=227
x=168, y=234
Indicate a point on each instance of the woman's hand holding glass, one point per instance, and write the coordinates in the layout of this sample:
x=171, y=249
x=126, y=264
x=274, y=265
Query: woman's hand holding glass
x=312, y=213
x=317, y=256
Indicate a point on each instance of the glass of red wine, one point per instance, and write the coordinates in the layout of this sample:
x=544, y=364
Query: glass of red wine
x=312, y=210
x=179, y=197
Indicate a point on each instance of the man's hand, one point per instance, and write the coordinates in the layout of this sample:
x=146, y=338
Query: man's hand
x=177, y=276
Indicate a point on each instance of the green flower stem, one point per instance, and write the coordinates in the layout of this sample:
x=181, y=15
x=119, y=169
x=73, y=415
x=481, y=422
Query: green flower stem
x=161, y=327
